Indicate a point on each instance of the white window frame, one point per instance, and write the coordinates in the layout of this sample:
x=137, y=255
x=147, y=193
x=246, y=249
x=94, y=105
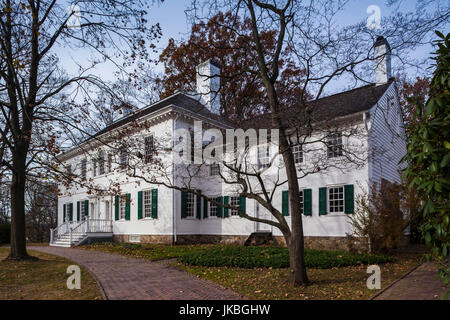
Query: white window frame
x=147, y=204
x=122, y=206
x=329, y=200
x=214, y=169
x=94, y=167
x=82, y=209
x=149, y=148
x=234, y=201
x=263, y=156
x=190, y=197
x=67, y=211
x=297, y=151
x=211, y=207
x=301, y=201
x=334, y=149
x=83, y=169
x=123, y=158
x=101, y=163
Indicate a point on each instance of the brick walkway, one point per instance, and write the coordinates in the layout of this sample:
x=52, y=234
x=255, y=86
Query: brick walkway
x=127, y=278
x=421, y=284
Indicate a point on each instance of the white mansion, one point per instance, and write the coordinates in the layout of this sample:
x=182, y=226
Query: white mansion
x=366, y=120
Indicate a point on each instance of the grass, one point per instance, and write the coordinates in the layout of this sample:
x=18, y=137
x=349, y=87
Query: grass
x=339, y=283
x=336, y=283
x=151, y=252
x=275, y=257
x=44, y=279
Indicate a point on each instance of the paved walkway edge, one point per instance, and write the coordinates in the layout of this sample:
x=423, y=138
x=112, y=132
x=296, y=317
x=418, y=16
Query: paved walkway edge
x=394, y=282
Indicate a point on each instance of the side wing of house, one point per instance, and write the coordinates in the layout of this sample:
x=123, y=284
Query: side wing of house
x=387, y=143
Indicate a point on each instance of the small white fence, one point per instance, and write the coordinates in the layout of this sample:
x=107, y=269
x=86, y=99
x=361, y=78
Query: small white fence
x=85, y=226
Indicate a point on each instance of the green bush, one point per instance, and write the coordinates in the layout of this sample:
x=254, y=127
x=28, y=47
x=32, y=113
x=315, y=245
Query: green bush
x=276, y=257
x=5, y=233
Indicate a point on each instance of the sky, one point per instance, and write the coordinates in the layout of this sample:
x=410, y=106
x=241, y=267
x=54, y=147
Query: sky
x=173, y=21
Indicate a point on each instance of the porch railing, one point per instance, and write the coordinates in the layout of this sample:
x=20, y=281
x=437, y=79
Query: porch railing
x=84, y=226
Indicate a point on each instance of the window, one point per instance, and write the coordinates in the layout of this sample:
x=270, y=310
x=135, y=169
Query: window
x=301, y=201
x=101, y=163
x=82, y=210
x=69, y=170
x=149, y=149
x=298, y=153
x=263, y=156
x=147, y=203
x=94, y=167
x=109, y=164
x=213, y=209
x=214, y=169
x=190, y=204
x=123, y=158
x=334, y=145
x=234, y=202
x=83, y=169
x=336, y=199
x=122, y=207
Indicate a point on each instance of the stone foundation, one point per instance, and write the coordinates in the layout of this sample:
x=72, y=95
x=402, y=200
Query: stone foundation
x=318, y=243
x=158, y=239
x=207, y=238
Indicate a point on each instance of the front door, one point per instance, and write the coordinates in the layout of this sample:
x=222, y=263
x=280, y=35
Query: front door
x=262, y=213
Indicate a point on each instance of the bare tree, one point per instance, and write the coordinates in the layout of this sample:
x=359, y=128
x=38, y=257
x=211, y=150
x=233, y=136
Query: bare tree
x=41, y=209
x=327, y=54
x=37, y=98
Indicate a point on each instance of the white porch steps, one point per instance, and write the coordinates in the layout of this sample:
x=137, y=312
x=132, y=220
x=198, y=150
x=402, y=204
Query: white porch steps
x=64, y=240
x=71, y=234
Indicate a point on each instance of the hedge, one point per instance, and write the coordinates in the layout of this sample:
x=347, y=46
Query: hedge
x=5, y=233
x=276, y=257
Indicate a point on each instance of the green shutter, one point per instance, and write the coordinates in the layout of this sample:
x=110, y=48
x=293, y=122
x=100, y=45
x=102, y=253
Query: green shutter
x=225, y=210
x=183, y=204
x=242, y=205
x=219, y=207
x=86, y=207
x=307, y=202
x=64, y=213
x=205, y=208
x=139, y=205
x=155, y=203
x=71, y=211
x=116, y=216
x=349, y=194
x=285, y=202
x=199, y=206
x=127, y=207
x=78, y=210
x=322, y=201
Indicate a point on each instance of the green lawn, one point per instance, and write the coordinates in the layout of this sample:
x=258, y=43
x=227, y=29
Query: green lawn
x=44, y=279
x=343, y=283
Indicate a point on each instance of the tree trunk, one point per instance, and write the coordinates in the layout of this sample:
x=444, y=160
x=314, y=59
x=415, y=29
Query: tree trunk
x=296, y=243
x=18, y=241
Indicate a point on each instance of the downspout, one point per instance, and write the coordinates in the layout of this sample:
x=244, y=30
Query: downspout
x=174, y=205
x=369, y=168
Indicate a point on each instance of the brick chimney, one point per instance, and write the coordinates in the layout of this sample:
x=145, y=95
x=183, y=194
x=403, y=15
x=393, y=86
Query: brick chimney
x=382, y=60
x=208, y=85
